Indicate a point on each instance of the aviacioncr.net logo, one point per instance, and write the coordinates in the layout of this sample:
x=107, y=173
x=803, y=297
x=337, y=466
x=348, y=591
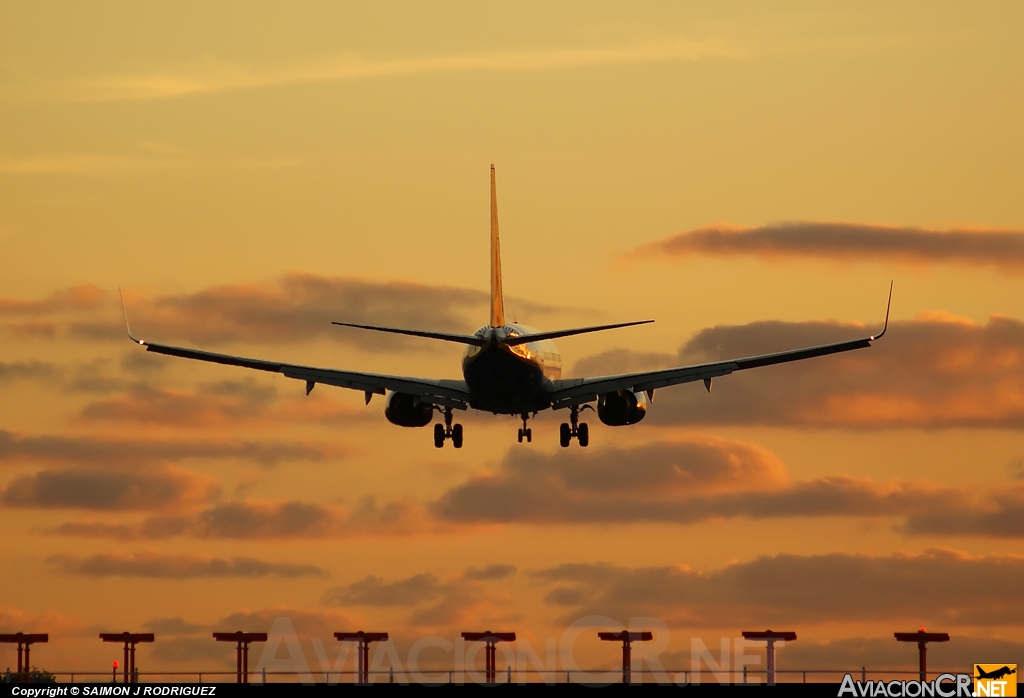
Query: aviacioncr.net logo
x=995, y=680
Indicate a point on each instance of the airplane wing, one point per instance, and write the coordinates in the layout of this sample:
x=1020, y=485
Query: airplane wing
x=579, y=390
x=448, y=393
x=575, y=391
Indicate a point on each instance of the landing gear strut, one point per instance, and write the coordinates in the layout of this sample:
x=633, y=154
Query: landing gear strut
x=448, y=430
x=525, y=432
x=574, y=429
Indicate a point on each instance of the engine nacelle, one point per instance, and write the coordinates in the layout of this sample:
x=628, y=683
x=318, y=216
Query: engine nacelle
x=407, y=410
x=621, y=408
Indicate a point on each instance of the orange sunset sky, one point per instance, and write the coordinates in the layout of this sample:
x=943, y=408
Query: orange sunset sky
x=751, y=176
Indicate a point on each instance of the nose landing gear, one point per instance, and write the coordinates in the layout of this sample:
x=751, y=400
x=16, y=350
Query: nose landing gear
x=447, y=431
x=574, y=429
x=525, y=432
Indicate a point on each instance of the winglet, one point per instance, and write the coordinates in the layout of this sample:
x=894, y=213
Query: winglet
x=886, y=325
x=497, y=302
x=126, y=325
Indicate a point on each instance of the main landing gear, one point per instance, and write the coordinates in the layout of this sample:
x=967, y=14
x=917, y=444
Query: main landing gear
x=447, y=430
x=581, y=432
x=525, y=432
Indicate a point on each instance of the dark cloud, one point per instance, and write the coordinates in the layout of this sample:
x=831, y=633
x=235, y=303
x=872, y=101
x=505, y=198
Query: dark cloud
x=376, y=592
x=241, y=520
x=109, y=490
x=159, y=566
x=25, y=369
x=933, y=372
x=173, y=626
x=433, y=603
x=82, y=450
x=679, y=481
x=220, y=405
x=210, y=405
x=937, y=588
x=95, y=529
x=997, y=514
x=1016, y=468
x=294, y=307
x=193, y=650
x=489, y=572
x=263, y=520
x=849, y=241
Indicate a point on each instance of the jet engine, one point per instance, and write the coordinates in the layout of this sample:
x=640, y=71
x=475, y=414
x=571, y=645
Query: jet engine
x=621, y=408
x=407, y=410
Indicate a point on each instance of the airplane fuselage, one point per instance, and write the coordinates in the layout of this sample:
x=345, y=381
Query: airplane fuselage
x=510, y=379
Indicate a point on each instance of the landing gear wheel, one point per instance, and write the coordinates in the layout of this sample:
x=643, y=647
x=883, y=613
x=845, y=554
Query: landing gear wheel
x=438, y=435
x=457, y=436
x=583, y=434
x=564, y=435
x=529, y=435
x=520, y=436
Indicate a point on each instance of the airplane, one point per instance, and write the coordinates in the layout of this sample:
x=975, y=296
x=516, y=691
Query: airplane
x=995, y=673
x=510, y=369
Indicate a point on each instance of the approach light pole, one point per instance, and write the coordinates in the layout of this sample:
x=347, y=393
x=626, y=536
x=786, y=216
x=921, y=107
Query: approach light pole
x=24, y=641
x=922, y=638
x=627, y=638
x=771, y=637
x=490, y=640
x=129, y=640
x=241, y=650
x=363, y=650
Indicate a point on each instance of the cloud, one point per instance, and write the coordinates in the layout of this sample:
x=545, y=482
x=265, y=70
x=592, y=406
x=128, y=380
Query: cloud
x=190, y=641
x=997, y=514
x=302, y=306
x=109, y=490
x=173, y=626
x=159, y=566
x=489, y=572
x=265, y=520
x=433, y=603
x=1003, y=249
x=242, y=520
x=194, y=650
x=218, y=76
x=376, y=592
x=85, y=450
x=80, y=298
x=13, y=619
x=25, y=370
x=939, y=587
x=219, y=405
x=682, y=481
x=210, y=405
x=296, y=307
x=1016, y=468
x=964, y=374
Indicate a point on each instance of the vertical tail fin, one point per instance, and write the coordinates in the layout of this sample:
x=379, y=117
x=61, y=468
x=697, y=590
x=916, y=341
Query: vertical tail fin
x=497, y=302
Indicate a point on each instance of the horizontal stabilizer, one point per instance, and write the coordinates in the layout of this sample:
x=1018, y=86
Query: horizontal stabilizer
x=459, y=338
x=538, y=336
